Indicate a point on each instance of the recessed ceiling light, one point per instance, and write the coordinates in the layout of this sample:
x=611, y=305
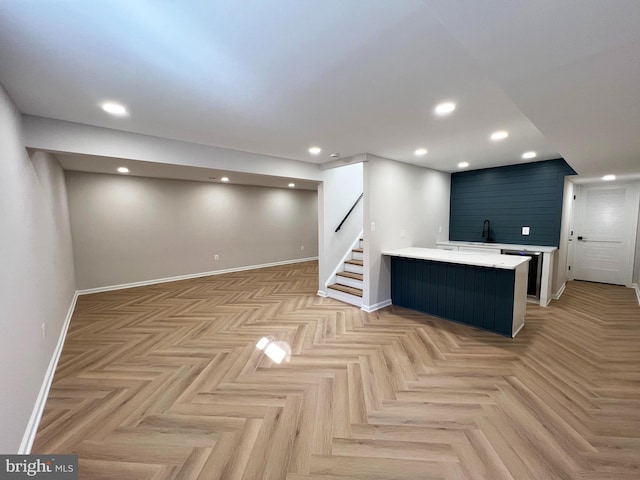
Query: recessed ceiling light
x=315, y=150
x=291, y=185
x=334, y=155
x=608, y=178
x=527, y=155
x=420, y=152
x=445, y=108
x=463, y=164
x=224, y=179
x=123, y=170
x=114, y=109
x=500, y=135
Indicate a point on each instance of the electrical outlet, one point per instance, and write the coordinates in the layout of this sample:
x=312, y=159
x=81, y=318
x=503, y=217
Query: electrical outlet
x=525, y=230
x=216, y=257
x=440, y=230
x=301, y=247
x=373, y=226
x=44, y=330
x=402, y=233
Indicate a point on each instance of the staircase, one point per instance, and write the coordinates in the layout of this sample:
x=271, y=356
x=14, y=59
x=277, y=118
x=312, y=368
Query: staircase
x=349, y=282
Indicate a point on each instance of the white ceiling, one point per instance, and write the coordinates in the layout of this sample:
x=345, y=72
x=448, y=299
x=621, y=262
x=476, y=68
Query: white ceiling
x=352, y=76
x=109, y=165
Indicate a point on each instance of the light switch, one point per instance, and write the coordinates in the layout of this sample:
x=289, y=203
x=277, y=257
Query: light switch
x=525, y=230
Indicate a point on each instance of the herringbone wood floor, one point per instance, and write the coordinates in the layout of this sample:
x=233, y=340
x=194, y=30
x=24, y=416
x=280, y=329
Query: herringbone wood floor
x=165, y=382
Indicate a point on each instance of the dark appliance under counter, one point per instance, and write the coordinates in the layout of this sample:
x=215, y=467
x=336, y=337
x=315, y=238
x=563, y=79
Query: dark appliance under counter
x=535, y=271
x=546, y=255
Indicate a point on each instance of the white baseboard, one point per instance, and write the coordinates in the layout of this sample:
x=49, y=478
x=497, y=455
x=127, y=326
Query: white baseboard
x=322, y=293
x=559, y=293
x=36, y=414
x=636, y=287
x=518, y=330
x=191, y=275
x=376, y=306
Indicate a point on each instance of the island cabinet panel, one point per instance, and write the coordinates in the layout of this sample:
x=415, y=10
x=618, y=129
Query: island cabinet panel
x=474, y=295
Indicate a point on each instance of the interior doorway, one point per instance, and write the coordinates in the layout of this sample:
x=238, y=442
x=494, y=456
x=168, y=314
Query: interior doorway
x=604, y=232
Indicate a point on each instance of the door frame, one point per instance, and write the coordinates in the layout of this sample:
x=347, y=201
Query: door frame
x=634, y=188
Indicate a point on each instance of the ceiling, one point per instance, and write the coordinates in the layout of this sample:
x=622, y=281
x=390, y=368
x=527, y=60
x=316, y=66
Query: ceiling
x=351, y=76
x=109, y=165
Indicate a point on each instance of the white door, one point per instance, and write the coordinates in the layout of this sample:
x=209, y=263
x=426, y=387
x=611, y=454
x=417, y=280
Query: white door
x=604, y=233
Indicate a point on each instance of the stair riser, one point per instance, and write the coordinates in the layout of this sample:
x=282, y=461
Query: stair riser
x=349, y=282
x=353, y=268
x=357, y=255
x=344, y=297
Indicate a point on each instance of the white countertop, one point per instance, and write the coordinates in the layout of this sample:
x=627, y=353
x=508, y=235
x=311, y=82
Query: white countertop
x=507, y=262
x=502, y=246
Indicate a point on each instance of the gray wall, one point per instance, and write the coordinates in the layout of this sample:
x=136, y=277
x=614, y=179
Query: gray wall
x=636, y=268
x=37, y=281
x=130, y=229
x=399, y=197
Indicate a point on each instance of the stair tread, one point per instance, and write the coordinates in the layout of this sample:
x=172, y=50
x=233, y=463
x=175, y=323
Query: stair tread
x=358, y=250
x=354, y=262
x=343, y=288
x=355, y=276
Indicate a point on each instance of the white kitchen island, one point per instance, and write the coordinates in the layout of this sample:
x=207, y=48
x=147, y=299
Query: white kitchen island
x=488, y=291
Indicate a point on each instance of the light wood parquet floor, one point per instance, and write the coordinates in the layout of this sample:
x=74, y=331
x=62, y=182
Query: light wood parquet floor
x=166, y=382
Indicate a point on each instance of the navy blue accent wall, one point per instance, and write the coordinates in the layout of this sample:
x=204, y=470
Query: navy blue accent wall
x=511, y=197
